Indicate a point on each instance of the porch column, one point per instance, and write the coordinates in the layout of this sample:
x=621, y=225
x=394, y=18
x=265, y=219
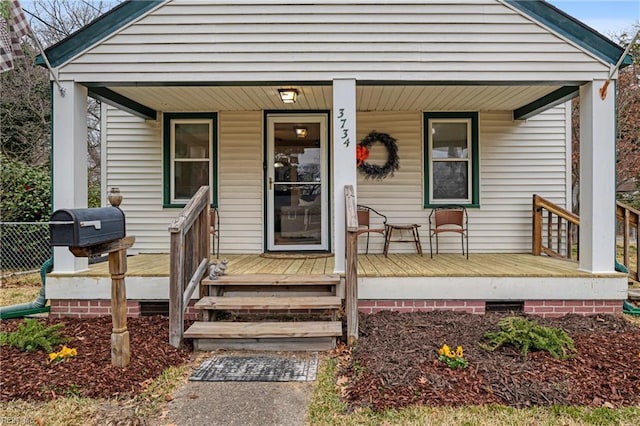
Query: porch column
x=69, y=162
x=597, y=179
x=344, y=159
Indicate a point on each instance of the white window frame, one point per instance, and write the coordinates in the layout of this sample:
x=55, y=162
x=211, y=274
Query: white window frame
x=468, y=159
x=173, y=160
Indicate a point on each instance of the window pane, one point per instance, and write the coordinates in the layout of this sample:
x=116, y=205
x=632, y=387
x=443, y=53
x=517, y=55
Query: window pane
x=449, y=140
x=450, y=180
x=190, y=176
x=192, y=140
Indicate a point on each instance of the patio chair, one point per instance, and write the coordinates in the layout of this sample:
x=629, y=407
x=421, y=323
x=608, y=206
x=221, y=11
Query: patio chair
x=452, y=218
x=364, y=222
x=214, y=231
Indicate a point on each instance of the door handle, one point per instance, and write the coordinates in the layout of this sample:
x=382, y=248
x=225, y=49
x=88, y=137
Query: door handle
x=270, y=183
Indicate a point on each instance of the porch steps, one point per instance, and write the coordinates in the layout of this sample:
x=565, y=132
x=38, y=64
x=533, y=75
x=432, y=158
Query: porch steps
x=268, y=302
x=268, y=312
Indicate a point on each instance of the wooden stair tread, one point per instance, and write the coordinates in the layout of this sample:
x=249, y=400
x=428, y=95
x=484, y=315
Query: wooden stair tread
x=219, y=329
x=269, y=302
x=274, y=279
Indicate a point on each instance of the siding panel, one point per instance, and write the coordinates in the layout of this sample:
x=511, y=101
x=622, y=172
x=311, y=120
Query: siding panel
x=218, y=41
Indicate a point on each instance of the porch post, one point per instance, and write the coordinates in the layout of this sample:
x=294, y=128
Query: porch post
x=344, y=160
x=69, y=154
x=597, y=179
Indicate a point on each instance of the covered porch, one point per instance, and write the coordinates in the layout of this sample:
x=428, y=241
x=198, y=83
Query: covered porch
x=404, y=282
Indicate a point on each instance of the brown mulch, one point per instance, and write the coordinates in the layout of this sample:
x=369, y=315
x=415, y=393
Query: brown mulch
x=29, y=376
x=395, y=364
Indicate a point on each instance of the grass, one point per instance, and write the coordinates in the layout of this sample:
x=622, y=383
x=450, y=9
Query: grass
x=19, y=289
x=326, y=408
x=72, y=410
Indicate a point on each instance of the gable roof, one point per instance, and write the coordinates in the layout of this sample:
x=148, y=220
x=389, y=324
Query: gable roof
x=98, y=29
x=572, y=29
x=539, y=10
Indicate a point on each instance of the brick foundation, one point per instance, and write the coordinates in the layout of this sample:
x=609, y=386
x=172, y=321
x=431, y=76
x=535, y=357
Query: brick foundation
x=558, y=308
x=544, y=308
x=97, y=308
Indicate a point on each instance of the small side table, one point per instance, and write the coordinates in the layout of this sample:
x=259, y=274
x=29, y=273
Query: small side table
x=390, y=229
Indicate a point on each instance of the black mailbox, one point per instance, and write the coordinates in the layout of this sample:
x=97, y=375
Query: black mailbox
x=86, y=227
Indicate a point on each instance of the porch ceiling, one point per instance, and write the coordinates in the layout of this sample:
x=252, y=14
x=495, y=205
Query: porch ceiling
x=319, y=97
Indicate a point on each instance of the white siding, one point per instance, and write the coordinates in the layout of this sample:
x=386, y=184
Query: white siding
x=517, y=159
x=195, y=41
x=133, y=162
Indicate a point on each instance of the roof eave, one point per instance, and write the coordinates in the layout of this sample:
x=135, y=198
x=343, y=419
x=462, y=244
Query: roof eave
x=98, y=29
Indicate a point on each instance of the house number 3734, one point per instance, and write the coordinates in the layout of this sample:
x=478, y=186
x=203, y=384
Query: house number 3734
x=344, y=127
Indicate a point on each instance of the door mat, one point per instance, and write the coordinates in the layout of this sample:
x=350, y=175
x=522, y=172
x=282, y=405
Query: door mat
x=260, y=368
x=295, y=255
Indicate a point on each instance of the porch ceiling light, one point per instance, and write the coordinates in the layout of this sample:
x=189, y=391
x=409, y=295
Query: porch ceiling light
x=301, y=132
x=288, y=96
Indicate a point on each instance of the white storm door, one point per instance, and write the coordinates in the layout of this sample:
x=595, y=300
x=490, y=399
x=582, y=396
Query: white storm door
x=296, y=182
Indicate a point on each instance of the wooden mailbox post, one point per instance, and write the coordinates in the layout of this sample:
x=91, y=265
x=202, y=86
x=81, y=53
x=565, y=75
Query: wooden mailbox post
x=120, y=352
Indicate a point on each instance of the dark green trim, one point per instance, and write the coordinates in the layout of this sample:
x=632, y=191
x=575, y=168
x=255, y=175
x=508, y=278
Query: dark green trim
x=546, y=102
x=166, y=154
x=574, y=30
x=112, y=98
x=465, y=83
x=475, y=157
x=96, y=30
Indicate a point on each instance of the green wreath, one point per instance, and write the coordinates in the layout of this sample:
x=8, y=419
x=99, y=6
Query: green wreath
x=372, y=170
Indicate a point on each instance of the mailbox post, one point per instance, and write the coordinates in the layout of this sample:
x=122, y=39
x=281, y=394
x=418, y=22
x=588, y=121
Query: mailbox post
x=74, y=236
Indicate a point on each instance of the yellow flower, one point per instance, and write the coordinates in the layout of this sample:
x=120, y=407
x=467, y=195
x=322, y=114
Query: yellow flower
x=459, y=352
x=444, y=350
x=53, y=356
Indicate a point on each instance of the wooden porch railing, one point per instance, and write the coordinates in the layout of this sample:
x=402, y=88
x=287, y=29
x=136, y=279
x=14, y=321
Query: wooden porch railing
x=189, y=259
x=562, y=230
x=628, y=218
x=351, y=264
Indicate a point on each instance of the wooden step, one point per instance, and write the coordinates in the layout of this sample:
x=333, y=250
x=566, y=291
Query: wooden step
x=274, y=279
x=257, y=330
x=269, y=302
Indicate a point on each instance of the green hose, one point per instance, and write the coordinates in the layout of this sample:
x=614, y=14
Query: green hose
x=38, y=306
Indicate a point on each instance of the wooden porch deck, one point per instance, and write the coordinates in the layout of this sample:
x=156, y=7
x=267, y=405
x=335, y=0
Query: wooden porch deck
x=372, y=265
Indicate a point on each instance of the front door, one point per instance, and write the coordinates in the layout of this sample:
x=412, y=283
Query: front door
x=296, y=182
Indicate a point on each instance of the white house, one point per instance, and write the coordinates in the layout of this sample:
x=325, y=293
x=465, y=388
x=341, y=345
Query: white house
x=474, y=92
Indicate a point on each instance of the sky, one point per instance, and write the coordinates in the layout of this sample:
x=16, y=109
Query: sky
x=606, y=16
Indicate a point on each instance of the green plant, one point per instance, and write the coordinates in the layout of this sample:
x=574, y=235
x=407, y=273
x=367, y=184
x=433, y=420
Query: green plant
x=32, y=334
x=25, y=191
x=453, y=359
x=528, y=335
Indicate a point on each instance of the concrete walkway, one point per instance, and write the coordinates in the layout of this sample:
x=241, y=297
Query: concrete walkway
x=239, y=404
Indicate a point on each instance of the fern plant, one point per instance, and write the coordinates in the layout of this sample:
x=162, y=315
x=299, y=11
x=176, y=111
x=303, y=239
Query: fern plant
x=32, y=334
x=526, y=335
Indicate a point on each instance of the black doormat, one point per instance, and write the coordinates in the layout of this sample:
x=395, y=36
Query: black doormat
x=259, y=368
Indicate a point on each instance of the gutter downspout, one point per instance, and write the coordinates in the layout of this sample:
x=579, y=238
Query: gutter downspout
x=37, y=306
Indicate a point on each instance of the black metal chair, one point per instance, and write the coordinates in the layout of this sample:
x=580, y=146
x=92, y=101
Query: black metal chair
x=364, y=222
x=452, y=218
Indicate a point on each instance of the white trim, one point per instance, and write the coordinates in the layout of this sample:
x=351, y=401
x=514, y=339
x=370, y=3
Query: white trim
x=569, y=155
x=494, y=288
x=173, y=160
x=321, y=120
x=104, y=161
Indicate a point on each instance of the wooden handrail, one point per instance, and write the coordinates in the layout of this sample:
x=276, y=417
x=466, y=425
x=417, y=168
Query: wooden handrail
x=629, y=217
x=351, y=264
x=556, y=230
x=189, y=258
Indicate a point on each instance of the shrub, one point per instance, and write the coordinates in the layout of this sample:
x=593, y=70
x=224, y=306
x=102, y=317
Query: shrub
x=526, y=335
x=32, y=334
x=25, y=192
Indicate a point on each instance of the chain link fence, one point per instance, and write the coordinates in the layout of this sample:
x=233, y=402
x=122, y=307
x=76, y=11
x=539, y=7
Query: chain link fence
x=24, y=246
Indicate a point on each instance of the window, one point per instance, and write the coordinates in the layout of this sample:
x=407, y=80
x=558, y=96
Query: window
x=451, y=159
x=190, y=156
